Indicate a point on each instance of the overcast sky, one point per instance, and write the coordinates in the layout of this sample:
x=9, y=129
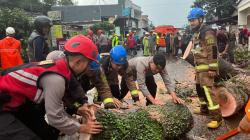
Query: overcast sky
x=161, y=12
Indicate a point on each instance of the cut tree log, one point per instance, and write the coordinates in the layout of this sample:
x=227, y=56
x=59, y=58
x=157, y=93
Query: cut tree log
x=153, y=122
x=226, y=69
x=233, y=94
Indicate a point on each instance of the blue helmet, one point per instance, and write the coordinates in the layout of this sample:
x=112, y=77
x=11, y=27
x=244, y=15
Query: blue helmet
x=196, y=13
x=95, y=65
x=118, y=55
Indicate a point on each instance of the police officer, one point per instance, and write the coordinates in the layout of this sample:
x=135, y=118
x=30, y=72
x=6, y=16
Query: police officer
x=93, y=77
x=38, y=47
x=45, y=83
x=116, y=64
x=206, y=66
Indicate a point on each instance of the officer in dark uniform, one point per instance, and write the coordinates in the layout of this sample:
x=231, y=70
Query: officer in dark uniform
x=38, y=47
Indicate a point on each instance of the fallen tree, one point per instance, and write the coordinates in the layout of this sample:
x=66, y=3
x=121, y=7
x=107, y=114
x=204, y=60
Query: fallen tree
x=153, y=122
x=233, y=94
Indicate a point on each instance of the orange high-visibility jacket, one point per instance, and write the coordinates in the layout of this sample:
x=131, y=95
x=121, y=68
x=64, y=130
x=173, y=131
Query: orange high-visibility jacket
x=162, y=42
x=10, y=54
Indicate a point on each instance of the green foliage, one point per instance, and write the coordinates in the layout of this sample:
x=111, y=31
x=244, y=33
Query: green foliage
x=176, y=120
x=133, y=126
x=37, y=6
x=184, y=93
x=241, y=55
x=170, y=121
x=217, y=8
x=103, y=26
x=16, y=18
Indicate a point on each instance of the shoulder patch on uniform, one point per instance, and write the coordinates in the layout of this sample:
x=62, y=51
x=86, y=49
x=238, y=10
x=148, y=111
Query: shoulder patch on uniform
x=46, y=62
x=210, y=40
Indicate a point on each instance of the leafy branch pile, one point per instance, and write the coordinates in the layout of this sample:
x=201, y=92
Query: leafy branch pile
x=153, y=122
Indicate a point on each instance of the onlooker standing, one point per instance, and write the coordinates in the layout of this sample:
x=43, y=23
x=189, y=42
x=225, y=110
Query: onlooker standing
x=102, y=42
x=222, y=42
x=130, y=43
x=245, y=35
x=146, y=45
x=115, y=40
x=232, y=45
x=38, y=47
x=168, y=46
x=10, y=50
x=152, y=43
x=162, y=42
x=177, y=43
x=185, y=41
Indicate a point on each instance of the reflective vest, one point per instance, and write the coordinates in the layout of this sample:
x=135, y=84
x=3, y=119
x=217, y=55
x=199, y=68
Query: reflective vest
x=115, y=41
x=10, y=54
x=23, y=83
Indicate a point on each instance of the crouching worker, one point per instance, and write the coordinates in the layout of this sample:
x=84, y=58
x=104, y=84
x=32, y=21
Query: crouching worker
x=45, y=83
x=145, y=68
x=93, y=77
x=116, y=64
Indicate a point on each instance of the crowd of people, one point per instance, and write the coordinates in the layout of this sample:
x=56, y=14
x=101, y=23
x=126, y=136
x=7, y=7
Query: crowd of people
x=55, y=83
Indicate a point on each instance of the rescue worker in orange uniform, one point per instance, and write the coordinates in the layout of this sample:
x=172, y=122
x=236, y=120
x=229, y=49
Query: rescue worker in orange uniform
x=10, y=50
x=205, y=56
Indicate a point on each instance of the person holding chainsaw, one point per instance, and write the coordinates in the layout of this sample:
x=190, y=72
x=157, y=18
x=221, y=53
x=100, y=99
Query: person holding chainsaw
x=206, y=66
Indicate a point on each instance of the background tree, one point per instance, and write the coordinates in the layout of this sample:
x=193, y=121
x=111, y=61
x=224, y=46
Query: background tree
x=217, y=8
x=16, y=18
x=106, y=26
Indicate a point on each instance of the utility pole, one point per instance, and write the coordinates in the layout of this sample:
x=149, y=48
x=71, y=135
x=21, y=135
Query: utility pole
x=100, y=10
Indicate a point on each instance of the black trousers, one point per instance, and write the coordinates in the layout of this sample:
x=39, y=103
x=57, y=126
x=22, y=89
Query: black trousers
x=32, y=116
x=121, y=93
x=12, y=128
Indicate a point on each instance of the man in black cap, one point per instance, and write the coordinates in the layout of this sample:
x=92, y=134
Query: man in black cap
x=144, y=69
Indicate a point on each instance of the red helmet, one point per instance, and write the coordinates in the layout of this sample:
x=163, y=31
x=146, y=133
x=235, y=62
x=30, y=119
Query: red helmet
x=82, y=45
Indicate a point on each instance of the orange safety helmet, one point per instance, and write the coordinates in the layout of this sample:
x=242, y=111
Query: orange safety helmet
x=82, y=45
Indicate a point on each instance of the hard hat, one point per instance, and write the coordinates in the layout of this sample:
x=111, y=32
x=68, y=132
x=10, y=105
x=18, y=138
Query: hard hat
x=41, y=22
x=55, y=55
x=146, y=33
x=127, y=35
x=82, y=45
x=95, y=65
x=10, y=31
x=118, y=55
x=196, y=13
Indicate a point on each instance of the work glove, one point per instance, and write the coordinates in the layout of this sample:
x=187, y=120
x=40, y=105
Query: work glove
x=136, y=98
x=109, y=106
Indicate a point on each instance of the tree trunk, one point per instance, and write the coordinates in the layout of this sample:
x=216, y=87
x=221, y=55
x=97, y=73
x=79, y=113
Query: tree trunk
x=170, y=121
x=233, y=94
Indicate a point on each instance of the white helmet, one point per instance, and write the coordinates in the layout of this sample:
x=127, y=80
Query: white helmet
x=10, y=31
x=55, y=55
